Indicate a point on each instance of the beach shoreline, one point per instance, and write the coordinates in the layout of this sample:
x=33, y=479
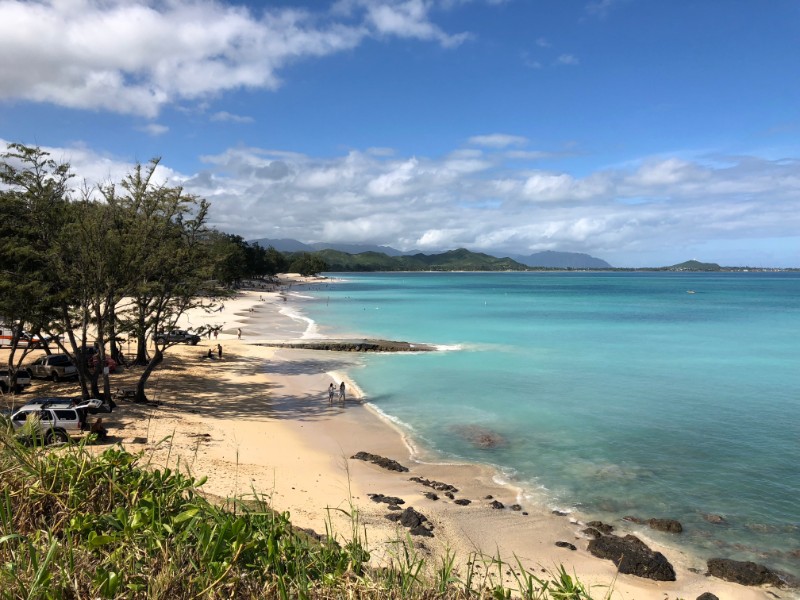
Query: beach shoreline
x=257, y=421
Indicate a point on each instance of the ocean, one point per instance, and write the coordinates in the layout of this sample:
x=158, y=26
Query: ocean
x=668, y=395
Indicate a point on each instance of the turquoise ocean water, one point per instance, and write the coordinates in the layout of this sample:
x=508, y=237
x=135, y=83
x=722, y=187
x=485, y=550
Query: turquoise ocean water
x=613, y=393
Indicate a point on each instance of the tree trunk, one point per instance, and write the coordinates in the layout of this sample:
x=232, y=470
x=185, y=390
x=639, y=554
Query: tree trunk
x=158, y=357
x=141, y=338
x=80, y=359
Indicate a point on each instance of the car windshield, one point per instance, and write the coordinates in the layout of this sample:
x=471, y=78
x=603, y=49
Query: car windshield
x=60, y=359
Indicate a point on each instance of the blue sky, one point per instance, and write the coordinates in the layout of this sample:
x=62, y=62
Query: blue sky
x=642, y=132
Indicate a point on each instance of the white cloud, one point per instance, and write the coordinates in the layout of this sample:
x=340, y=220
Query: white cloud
x=482, y=202
x=154, y=129
x=226, y=117
x=136, y=56
x=497, y=140
x=408, y=19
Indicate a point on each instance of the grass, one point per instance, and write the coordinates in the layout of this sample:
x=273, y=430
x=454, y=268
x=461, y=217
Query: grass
x=74, y=524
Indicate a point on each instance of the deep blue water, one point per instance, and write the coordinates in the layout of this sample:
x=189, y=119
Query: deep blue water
x=613, y=393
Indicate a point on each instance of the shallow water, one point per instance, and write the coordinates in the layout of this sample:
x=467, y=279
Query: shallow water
x=611, y=393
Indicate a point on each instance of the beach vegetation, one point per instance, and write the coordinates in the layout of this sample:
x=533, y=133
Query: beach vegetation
x=81, y=524
x=308, y=264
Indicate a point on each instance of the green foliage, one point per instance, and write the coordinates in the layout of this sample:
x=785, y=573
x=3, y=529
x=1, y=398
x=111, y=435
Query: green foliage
x=308, y=263
x=78, y=525
x=454, y=260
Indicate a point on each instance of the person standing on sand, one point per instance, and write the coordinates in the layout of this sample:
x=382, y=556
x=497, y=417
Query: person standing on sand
x=216, y=333
x=331, y=392
x=219, y=350
x=239, y=333
x=341, y=393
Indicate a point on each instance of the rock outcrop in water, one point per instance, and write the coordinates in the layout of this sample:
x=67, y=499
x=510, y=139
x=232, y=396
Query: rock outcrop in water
x=480, y=437
x=352, y=346
x=668, y=525
x=747, y=573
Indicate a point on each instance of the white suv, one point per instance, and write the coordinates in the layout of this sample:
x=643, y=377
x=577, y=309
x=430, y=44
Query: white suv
x=55, y=422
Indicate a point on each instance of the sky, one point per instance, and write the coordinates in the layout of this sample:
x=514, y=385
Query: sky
x=642, y=132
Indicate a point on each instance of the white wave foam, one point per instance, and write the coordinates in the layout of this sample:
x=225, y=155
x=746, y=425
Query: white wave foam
x=311, y=330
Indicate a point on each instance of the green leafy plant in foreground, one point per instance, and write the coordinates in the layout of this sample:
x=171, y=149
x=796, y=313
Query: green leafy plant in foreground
x=74, y=524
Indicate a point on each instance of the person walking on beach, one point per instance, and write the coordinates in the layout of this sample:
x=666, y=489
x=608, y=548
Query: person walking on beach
x=341, y=393
x=216, y=333
x=239, y=333
x=219, y=350
x=331, y=392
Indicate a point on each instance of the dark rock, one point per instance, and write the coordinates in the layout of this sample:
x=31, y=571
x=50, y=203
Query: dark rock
x=416, y=522
x=566, y=545
x=592, y=532
x=488, y=497
x=633, y=557
x=516, y=507
x=437, y=485
x=394, y=507
x=633, y=519
x=560, y=513
x=480, y=436
x=386, y=463
x=386, y=499
x=745, y=572
x=462, y=502
x=715, y=519
x=601, y=527
x=354, y=346
x=431, y=495
x=497, y=504
x=449, y=495
x=524, y=513
x=668, y=525
x=707, y=596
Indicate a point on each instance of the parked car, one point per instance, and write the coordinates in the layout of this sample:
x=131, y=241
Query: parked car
x=93, y=405
x=177, y=335
x=54, y=422
x=23, y=380
x=53, y=366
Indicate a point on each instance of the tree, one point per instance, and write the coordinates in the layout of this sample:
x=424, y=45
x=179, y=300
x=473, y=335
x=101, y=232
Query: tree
x=165, y=255
x=308, y=264
x=34, y=206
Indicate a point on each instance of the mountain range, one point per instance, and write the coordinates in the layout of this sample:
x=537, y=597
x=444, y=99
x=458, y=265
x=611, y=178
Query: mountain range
x=547, y=259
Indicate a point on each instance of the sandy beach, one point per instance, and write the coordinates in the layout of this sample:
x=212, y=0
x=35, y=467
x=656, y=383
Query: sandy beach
x=258, y=421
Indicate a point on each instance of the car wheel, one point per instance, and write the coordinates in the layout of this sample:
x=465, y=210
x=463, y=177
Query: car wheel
x=56, y=436
x=194, y=342
x=55, y=376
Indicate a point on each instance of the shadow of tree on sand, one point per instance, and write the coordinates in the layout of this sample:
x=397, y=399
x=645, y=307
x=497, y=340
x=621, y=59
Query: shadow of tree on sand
x=233, y=387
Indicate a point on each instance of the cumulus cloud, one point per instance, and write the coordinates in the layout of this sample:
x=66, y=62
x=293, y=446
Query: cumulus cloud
x=136, y=56
x=477, y=199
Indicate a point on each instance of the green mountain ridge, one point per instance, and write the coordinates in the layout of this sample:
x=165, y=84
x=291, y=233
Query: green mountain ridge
x=452, y=260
